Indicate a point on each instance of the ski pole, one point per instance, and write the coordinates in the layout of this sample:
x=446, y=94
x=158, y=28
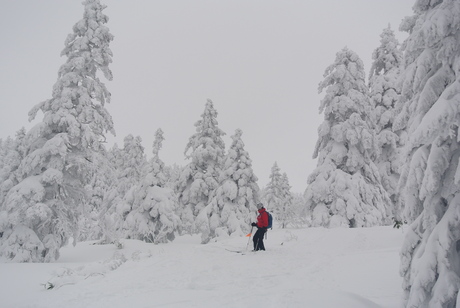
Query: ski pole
x=249, y=239
x=250, y=233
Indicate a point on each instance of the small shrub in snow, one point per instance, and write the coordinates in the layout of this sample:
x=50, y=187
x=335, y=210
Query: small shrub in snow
x=68, y=276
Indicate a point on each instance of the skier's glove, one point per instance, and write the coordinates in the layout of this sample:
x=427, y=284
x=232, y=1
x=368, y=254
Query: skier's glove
x=254, y=224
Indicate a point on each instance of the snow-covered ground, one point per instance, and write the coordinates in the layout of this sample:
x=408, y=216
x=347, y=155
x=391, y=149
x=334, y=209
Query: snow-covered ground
x=316, y=267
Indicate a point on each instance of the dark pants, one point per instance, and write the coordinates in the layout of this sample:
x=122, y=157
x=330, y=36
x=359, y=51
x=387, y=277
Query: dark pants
x=258, y=239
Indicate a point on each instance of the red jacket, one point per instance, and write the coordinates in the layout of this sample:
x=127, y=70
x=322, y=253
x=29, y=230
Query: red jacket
x=262, y=219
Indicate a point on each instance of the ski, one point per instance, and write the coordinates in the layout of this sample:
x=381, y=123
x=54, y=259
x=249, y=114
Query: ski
x=243, y=252
x=236, y=251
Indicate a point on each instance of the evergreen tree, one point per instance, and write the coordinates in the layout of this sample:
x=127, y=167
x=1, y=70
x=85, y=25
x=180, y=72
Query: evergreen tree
x=108, y=215
x=285, y=213
x=156, y=163
x=103, y=180
x=131, y=164
x=385, y=89
x=172, y=175
x=430, y=176
x=273, y=195
x=236, y=196
x=200, y=177
x=40, y=212
x=12, y=153
x=153, y=215
x=345, y=188
x=130, y=168
x=301, y=215
x=278, y=197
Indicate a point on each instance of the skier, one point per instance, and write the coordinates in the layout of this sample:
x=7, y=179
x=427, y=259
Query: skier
x=262, y=224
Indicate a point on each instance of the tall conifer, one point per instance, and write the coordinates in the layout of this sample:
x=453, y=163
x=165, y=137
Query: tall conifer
x=385, y=89
x=235, y=197
x=430, y=177
x=200, y=177
x=345, y=188
x=41, y=210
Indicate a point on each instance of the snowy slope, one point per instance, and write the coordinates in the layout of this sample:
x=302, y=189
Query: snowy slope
x=316, y=267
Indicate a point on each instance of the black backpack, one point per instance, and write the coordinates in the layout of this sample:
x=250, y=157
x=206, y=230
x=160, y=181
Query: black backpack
x=270, y=220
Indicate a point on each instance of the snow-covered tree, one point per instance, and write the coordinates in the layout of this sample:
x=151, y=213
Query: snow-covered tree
x=278, y=197
x=385, y=89
x=5, y=167
x=345, y=188
x=130, y=167
x=236, y=197
x=39, y=215
x=11, y=155
x=430, y=177
x=285, y=213
x=301, y=215
x=153, y=215
x=172, y=174
x=153, y=218
x=131, y=164
x=156, y=163
x=273, y=195
x=200, y=176
x=103, y=180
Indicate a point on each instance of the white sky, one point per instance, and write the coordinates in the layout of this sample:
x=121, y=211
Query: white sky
x=260, y=61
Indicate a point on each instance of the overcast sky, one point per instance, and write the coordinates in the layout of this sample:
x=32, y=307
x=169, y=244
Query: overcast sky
x=259, y=61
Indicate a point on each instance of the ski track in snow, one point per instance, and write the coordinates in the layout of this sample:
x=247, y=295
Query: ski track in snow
x=312, y=267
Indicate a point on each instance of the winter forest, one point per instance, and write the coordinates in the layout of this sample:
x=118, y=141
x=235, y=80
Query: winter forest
x=386, y=156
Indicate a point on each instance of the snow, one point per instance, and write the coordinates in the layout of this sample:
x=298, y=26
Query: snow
x=313, y=267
